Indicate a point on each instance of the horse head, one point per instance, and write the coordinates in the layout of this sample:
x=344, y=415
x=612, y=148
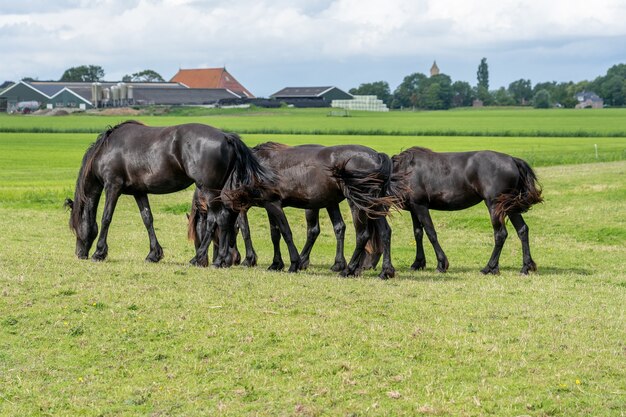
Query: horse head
x=82, y=223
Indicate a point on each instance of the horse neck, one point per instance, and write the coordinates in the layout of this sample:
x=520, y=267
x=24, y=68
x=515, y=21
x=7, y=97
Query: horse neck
x=86, y=199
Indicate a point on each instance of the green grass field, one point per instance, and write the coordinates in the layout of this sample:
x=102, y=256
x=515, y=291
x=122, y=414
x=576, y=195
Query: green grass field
x=127, y=338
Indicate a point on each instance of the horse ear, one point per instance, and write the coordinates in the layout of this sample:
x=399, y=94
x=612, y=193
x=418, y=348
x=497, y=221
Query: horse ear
x=68, y=204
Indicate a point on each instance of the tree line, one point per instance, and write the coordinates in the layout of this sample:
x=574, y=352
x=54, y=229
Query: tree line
x=439, y=92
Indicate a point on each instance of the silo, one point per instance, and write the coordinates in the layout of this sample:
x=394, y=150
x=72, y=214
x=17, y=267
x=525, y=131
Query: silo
x=130, y=94
x=96, y=93
x=115, y=94
x=123, y=91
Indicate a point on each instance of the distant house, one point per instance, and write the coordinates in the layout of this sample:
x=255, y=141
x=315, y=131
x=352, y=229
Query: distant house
x=310, y=96
x=589, y=99
x=210, y=78
x=87, y=95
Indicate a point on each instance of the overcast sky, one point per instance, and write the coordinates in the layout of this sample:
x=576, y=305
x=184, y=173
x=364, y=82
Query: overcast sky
x=271, y=44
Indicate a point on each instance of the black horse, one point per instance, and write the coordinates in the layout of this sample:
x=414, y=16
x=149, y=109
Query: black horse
x=458, y=180
x=313, y=177
x=135, y=159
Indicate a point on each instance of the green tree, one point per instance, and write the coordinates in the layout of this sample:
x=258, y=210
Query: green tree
x=83, y=73
x=482, y=74
x=542, y=100
x=462, y=94
x=502, y=97
x=144, y=76
x=521, y=91
x=379, y=89
x=435, y=93
x=406, y=95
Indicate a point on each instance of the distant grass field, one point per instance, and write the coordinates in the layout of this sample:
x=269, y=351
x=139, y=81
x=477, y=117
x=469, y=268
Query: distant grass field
x=126, y=338
x=467, y=122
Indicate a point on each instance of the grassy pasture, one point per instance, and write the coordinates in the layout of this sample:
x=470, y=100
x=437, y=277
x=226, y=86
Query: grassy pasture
x=467, y=122
x=128, y=338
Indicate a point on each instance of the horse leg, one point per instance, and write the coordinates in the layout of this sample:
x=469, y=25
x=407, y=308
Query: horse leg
x=522, y=232
x=312, y=232
x=156, y=251
x=418, y=232
x=424, y=218
x=277, y=261
x=277, y=212
x=244, y=226
x=102, y=249
x=339, y=227
x=383, y=229
x=201, y=258
x=362, y=236
x=499, y=235
x=226, y=229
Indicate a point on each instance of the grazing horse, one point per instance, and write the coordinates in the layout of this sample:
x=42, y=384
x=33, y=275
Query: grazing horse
x=138, y=160
x=313, y=177
x=458, y=180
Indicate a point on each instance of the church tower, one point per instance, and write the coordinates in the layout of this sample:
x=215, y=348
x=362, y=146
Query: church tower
x=434, y=70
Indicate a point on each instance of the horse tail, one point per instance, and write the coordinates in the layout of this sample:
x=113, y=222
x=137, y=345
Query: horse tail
x=198, y=206
x=248, y=170
x=373, y=248
x=248, y=177
x=368, y=190
x=524, y=196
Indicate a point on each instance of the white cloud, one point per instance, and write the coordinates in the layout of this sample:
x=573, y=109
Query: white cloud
x=127, y=36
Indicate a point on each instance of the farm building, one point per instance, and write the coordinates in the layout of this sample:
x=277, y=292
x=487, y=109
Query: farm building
x=210, y=78
x=589, y=100
x=310, y=96
x=88, y=95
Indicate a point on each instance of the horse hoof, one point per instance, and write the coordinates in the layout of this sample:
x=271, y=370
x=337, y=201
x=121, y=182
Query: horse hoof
x=98, y=257
x=276, y=267
x=495, y=270
x=304, y=264
x=154, y=258
x=249, y=262
x=526, y=269
x=293, y=268
x=338, y=266
x=418, y=265
x=199, y=262
x=387, y=273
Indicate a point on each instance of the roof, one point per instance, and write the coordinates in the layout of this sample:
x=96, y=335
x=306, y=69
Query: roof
x=588, y=95
x=302, y=92
x=189, y=96
x=210, y=78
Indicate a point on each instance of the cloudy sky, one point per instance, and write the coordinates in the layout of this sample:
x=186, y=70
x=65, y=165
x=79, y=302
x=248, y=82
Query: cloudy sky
x=270, y=44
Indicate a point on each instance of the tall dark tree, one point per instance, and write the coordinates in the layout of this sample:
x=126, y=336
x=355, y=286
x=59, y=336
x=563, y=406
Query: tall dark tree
x=542, y=99
x=144, y=76
x=502, y=97
x=379, y=89
x=435, y=93
x=482, y=75
x=521, y=91
x=406, y=95
x=482, y=88
x=83, y=73
x=462, y=94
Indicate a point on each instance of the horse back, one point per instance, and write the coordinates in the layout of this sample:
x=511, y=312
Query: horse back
x=455, y=180
x=304, y=179
x=160, y=160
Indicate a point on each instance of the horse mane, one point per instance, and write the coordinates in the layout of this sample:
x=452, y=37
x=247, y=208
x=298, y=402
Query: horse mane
x=80, y=196
x=407, y=154
x=270, y=146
